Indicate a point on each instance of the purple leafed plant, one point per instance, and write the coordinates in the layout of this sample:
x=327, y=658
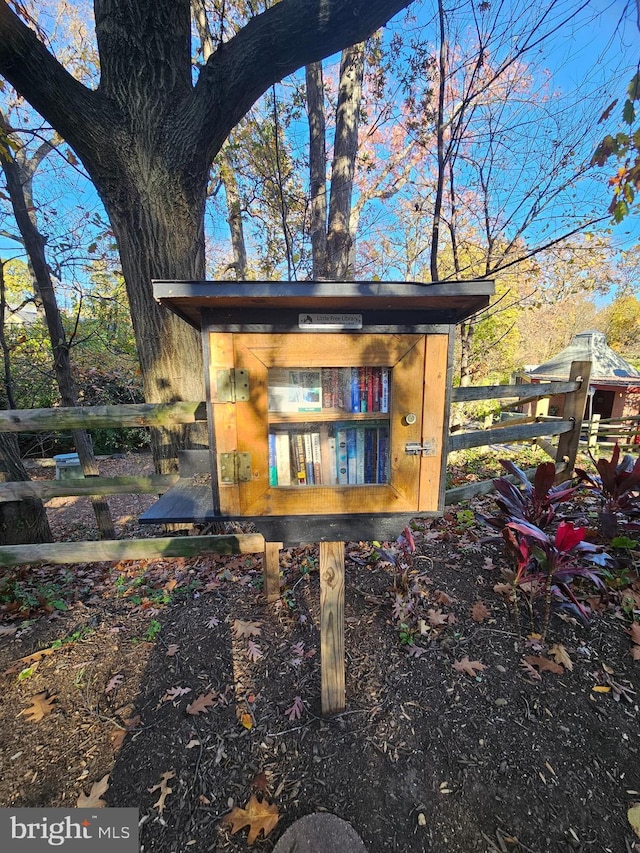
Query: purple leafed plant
x=552, y=563
x=618, y=486
x=535, y=501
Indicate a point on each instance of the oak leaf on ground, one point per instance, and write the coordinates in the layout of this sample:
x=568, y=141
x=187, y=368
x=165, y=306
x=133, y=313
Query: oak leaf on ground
x=164, y=789
x=480, y=611
x=242, y=628
x=436, y=618
x=259, y=816
x=41, y=706
x=94, y=799
x=254, y=651
x=114, y=682
x=471, y=667
x=560, y=655
x=544, y=664
x=203, y=704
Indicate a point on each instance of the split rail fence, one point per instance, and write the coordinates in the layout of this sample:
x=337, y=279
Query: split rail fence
x=539, y=429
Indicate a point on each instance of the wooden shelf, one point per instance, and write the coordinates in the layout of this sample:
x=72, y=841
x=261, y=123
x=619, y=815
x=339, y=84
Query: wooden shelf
x=326, y=416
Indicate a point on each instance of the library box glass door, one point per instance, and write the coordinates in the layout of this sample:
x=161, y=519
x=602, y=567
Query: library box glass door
x=332, y=423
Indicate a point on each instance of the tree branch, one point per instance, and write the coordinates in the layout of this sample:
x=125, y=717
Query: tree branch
x=33, y=71
x=270, y=46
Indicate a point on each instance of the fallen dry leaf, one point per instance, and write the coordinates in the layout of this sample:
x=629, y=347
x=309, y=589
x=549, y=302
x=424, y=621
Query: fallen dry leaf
x=260, y=816
x=246, y=720
x=480, y=612
x=94, y=800
x=246, y=629
x=203, y=704
x=633, y=816
x=471, y=667
x=164, y=789
x=172, y=648
x=118, y=736
x=254, y=652
x=436, y=618
x=114, y=682
x=41, y=706
x=175, y=693
x=531, y=672
x=561, y=655
x=544, y=664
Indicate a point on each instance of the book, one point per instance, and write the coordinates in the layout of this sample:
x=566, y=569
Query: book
x=360, y=460
x=341, y=455
x=296, y=391
x=352, y=456
x=300, y=472
x=384, y=390
x=273, y=463
x=283, y=458
x=316, y=456
x=308, y=459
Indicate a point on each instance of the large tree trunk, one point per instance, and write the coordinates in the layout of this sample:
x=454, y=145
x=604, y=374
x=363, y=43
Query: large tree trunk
x=345, y=149
x=317, y=169
x=21, y=522
x=161, y=237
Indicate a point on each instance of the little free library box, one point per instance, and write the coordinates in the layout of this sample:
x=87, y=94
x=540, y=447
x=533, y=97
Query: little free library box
x=328, y=411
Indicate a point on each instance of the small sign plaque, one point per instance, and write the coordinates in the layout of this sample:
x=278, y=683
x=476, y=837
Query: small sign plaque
x=321, y=322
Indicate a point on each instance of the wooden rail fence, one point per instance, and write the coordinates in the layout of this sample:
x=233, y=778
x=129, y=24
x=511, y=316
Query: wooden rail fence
x=540, y=429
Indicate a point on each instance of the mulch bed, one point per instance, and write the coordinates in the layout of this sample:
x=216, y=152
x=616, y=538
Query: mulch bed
x=177, y=686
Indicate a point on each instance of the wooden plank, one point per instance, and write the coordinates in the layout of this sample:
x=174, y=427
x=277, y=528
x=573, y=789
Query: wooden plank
x=332, y=627
x=131, y=549
x=433, y=420
x=271, y=570
x=484, y=487
x=45, y=489
x=330, y=350
x=501, y=392
x=101, y=417
x=524, y=432
x=574, y=406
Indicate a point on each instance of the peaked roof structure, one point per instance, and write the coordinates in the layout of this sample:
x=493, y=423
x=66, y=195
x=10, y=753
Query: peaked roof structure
x=606, y=365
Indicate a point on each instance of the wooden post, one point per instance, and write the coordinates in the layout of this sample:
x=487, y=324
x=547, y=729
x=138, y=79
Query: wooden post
x=332, y=626
x=594, y=427
x=574, y=406
x=271, y=570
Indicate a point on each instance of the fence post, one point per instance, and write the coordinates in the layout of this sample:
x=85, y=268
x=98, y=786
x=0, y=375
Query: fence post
x=574, y=406
x=592, y=436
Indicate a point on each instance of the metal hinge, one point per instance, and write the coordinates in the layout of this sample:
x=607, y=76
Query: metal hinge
x=414, y=448
x=235, y=467
x=232, y=386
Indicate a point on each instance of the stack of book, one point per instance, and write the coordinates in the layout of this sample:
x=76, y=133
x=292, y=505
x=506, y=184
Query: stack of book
x=349, y=389
x=330, y=455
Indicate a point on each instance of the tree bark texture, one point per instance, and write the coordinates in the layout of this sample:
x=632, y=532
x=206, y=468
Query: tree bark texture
x=317, y=169
x=21, y=522
x=345, y=149
x=147, y=136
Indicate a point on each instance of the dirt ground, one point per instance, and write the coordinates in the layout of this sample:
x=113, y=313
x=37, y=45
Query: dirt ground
x=173, y=687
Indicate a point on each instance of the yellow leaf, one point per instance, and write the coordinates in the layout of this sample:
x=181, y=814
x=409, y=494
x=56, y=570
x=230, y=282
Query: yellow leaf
x=259, y=816
x=600, y=688
x=633, y=816
x=247, y=721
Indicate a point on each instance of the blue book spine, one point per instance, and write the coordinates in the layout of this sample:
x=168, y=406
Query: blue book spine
x=383, y=455
x=352, y=457
x=355, y=389
x=273, y=465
